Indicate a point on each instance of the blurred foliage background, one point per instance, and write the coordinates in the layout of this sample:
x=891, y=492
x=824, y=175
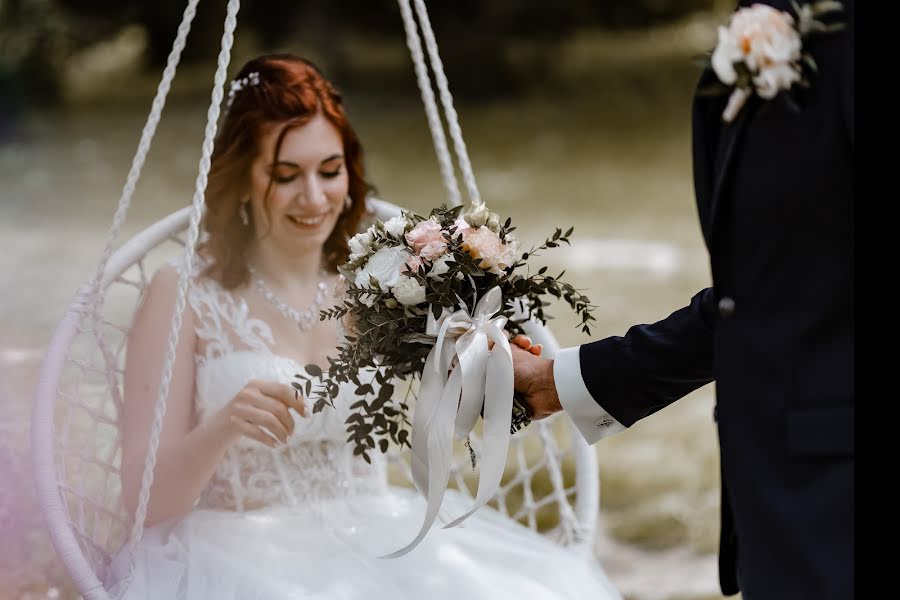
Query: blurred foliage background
x=575, y=112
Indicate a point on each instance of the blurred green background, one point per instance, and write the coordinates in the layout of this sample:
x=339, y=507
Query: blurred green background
x=575, y=112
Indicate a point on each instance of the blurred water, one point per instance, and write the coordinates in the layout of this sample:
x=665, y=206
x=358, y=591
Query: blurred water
x=615, y=164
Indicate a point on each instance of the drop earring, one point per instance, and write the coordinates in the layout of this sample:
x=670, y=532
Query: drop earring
x=348, y=201
x=245, y=218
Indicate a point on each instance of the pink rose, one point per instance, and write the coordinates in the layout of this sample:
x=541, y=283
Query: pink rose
x=461, y=227
x=427, y=234
x=413, y=263
x=433, y=250
x=484, y=244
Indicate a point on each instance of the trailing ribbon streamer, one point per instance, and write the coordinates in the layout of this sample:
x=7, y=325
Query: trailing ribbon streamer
x=479, y=375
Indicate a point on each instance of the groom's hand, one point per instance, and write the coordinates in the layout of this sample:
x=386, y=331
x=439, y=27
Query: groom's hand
x=533, y=378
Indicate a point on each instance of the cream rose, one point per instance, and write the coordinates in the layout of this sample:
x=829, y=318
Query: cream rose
x=408, y=291
x=484, y=244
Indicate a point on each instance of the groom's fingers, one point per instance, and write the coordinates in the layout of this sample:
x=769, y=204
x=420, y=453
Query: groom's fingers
x=522, y=341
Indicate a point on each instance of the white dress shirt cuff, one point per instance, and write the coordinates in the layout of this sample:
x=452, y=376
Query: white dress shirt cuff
x=586, y=414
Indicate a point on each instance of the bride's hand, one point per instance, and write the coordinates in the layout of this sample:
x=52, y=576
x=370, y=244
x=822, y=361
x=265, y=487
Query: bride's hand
x=261, y=411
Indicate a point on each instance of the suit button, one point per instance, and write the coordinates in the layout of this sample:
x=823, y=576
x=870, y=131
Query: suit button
x=726, y=307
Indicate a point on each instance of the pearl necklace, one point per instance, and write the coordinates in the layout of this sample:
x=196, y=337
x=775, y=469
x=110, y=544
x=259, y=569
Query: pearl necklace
x=304, y=320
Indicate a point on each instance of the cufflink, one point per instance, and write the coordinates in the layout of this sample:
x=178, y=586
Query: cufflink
x=604, y=422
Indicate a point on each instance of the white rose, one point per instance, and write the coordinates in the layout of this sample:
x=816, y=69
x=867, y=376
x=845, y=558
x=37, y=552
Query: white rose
x=385, y=266
x=359, y=244
x=440, y=266
x=779, y=77
x=725, y=55
x=763, y=38
x=478, y=216
x=493, y=223
x=396, y=226
x=408, y=291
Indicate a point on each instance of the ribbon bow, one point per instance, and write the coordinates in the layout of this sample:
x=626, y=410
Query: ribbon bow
x=485, y=378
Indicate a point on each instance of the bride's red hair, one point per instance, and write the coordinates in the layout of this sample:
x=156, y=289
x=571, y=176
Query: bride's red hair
x=291, y=91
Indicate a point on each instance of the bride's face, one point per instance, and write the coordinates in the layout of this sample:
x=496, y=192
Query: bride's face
x=309, y=183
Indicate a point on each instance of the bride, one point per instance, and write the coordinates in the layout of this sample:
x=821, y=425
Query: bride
x=253, y=496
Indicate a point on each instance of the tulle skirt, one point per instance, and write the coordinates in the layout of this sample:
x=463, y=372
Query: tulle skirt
x=333, y=551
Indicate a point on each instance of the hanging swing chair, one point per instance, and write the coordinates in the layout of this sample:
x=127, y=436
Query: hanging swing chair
x=76, y=445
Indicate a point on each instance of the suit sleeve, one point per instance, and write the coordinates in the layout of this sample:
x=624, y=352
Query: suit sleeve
x=628, y=378
x=847, y=83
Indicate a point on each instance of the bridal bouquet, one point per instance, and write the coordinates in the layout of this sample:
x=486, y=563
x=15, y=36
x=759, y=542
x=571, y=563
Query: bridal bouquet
x=437, y=298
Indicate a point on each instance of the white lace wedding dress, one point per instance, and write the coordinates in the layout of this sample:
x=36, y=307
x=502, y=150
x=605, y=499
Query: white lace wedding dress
x=310, y=521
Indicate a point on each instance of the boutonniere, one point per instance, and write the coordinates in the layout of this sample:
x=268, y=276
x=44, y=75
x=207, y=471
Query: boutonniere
x=761, y=51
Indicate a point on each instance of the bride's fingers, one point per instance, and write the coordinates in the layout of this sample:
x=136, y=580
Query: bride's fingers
x=262, y=418
x=299, y=403
x=536, y=349
x=253, y=432
x=285, y=394
x=277, y=408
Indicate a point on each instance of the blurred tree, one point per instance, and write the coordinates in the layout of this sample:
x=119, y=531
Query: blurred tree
x=473, y=35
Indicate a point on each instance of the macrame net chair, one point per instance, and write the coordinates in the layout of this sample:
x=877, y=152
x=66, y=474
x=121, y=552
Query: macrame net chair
x=551, y=483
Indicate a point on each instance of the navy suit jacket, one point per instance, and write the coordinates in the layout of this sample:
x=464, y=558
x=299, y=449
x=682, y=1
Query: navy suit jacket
x=774, y=191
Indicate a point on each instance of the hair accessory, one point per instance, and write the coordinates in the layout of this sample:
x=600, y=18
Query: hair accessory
x=239, y=84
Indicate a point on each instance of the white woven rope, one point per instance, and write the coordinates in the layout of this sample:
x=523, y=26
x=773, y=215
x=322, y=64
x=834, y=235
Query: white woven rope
x=437, y=67
x=187, y=259
x=548, y=459
x=137, y=165
x=445, y=162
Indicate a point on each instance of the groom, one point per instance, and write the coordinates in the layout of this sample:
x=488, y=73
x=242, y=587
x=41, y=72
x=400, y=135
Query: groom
x=775, y=197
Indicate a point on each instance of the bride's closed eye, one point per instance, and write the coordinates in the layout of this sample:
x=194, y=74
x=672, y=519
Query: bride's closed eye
x=279, y=177
x=283, y=178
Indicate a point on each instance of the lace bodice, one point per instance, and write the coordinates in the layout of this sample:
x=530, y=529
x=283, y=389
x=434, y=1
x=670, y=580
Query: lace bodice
x=316, y=464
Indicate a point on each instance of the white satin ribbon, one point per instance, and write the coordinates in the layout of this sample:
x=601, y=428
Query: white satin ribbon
x=484, y=378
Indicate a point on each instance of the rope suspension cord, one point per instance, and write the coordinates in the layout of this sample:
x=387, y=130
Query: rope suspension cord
x=414, y=43
x=134, y=174
x=192, y=236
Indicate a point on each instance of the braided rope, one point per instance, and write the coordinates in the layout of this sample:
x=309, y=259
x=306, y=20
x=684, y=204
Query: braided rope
x=193, y=234
x=437, y=67
x=445, y=162
x=134, y=174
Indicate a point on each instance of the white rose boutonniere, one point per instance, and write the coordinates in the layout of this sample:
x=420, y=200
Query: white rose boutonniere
x=761, y=51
